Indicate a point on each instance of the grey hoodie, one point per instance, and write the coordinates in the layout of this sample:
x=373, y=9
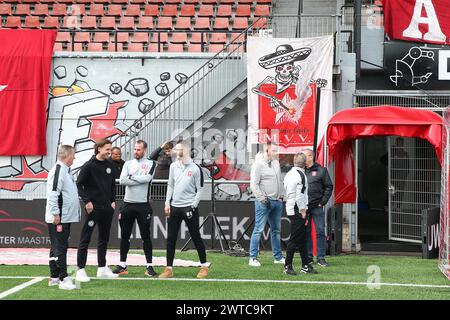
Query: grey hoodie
x=137, y=175
x=265, y=179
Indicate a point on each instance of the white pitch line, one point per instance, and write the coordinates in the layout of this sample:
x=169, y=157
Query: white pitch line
x=20, y=287
x=371, y=284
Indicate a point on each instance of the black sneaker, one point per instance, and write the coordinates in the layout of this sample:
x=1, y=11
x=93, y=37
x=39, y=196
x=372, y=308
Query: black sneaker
x=289, y=270
x=308, y=269
x=150, y=272
x=121, y=270
x=322, y=263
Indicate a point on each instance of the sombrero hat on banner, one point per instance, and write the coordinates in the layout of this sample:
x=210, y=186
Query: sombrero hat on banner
x=283, y=55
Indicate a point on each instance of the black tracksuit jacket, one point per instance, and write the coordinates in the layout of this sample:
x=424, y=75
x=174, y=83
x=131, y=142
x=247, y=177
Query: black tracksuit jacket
x=96, y=183
x=320, y=186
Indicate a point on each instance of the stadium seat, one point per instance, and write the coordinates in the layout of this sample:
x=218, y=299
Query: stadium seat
x=215, y=48
x=5, y=9
x=59, y=9
x=102, y=37
x=76, y=47
x=151, y=10
x=164, y=23
x=126, y=23
x=175, y=47
x=240, y=23
x=114, y=10
x=138, y=1
x=102, y=1
x=140, y=37
x=245, y=2
x=236, y=48
x=209, y=2
x=191, y=1
x=187, y=10
x=32, y=22
x=202, y=24
x=107, y=23
x=22, y=10
x=206, y=11
x=156, y=1
x=179, y=37
x=63, y=37
x=222, y=23
x=196, y=37
x=261, y=10
x=112, y=47
x=95, y=47
x=243, y=10
x=66, y=1
x=89, y=22
x=71, y=22
x=237, y=37
x=224, y=10
x=78, y=9
x=96, y=9
x=123, y=37
x=135, y=47
x=145, y=23
x=174, y=1
x=51, y=23
x=162, y=37
x=193, y=47
x=260, y=23
x=82, y=37
x=218, y=38
x=13, y=22
x=133, y=10
x=58, y=46
x=153, y=47
x=170, y=10
x=227, y=2
x=120, y=1
x=183, y=23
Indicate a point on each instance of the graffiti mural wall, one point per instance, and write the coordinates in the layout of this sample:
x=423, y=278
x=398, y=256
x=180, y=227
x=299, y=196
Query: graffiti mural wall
x=91, y=99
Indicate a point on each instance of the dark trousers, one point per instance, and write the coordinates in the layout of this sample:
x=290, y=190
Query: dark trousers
x=142, y=213
x=103, y=219
x=59, y=239
x=298, y=241
x=174, y=222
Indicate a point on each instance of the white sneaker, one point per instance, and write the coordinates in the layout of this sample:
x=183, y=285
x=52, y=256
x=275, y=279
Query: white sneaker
x=281, y=261
x=254, y=263
x=53, y=282
x=106, y=272
x=67, y=284
x=82, y=276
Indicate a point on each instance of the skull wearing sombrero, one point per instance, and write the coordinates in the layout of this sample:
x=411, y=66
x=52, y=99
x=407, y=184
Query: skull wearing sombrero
x=283, y=55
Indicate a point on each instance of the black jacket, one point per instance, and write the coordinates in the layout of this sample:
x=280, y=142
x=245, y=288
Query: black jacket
x=119, y=165
x=320, y=186
x=96, y=183
x=163, y=161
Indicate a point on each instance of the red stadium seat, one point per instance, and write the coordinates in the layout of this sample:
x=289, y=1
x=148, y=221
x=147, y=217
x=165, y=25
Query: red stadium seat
x=141, y=37
x=183, y=23
x=96, y=9
x=76, y=47
x=243, y=10
x=215, y=48
x=222, y=23
x=89, y=22
x=162, y=37
x=5, y=9
x=107, y=23
x=179, y=37
x=82, y=37
x=135, y=47
x=187, y=10
x=13, y=22
x=153, y=47
x=78, y=9
x=206, y=11
x=238, y=37
x=175, y=47
x=194, y=47
x=196, y=37
x=240, y=23
x=260, y=23
x=202, y=24
x=133, y=10
x=170, y=10
x=102, y=37
x=126, y=23
x=22, y=10
x=71, y=22
x=224, y=10
x=218, y=38
x=261, y=10
x=164, y=23
x=123, y=37
x=51, y=23
x=59, y=9
x=114, y=10
x=151, y=10
x=112, y=47
x=63, y=37
x=58, y=46
x=32, y=22
x=95, y=47
x=145, y=23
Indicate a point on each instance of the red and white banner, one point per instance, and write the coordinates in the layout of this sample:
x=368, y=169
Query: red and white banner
x=283, y=77
x=417, y=20
x=25, y=61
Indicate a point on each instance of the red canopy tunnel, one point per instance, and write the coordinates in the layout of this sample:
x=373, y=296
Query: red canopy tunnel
x=351, y=124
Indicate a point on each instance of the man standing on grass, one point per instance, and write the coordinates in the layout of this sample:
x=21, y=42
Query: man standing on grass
x=97, y=188
x=62, y=209
x=183, y=196
x=136, y=175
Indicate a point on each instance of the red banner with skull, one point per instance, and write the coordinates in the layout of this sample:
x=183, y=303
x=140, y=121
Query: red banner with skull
x=283, y=79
